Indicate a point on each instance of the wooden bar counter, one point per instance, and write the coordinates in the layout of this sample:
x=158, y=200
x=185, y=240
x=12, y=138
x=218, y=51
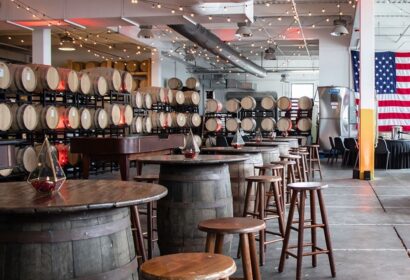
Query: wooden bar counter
x=198, y=189
x=82, y=232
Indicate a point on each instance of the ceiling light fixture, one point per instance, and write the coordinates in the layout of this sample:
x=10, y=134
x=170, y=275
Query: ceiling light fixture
x=145, y=32
x=66, y=44
x=244, y=30
x=74, y=23
x=270, y=54
x=340, y=28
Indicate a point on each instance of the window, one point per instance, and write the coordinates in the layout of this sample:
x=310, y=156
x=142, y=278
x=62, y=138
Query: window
x=299, y=90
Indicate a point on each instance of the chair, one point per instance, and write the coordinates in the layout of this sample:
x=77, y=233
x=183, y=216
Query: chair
x=221, y=141
x=351, y=146
x=382, y=149
x=340, y=149
x=333, y=151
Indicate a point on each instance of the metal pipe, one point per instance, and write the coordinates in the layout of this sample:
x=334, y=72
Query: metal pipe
x=207, y=40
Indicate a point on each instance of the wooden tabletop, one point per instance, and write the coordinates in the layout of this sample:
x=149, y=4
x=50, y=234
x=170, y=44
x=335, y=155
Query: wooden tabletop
x=260, y=144
x=199, y=160
x=242, y=150
x=77, y=195
x=280, y=139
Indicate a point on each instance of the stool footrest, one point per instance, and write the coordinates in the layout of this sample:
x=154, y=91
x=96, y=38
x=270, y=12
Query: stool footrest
x=309, y=227
x=318, y=252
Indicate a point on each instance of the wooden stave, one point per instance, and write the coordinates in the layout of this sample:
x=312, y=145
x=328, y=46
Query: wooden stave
x=233, y=105
x=21, y=121
x=21, y=74
x=248, y=105
x=229, y=124
x=86, y=118
x=6, y=119
x=268, y=103
x=268, y=124
x=284, y=103
x=281, y=124
x=213, y=124
x=5, y=78
x=246, y=121
x=26, y=159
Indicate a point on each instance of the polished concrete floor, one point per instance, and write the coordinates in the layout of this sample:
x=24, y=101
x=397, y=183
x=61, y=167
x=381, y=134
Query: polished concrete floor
x=370, y=229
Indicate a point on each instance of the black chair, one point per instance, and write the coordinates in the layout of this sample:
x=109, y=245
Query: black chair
x=351, y=146
x=221, y=141
x=333, y=152
x=340, y=149
x=381, y=150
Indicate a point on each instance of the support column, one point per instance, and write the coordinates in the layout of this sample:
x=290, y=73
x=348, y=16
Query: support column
x=367, y=114
x=156, y=73
x=42, y=46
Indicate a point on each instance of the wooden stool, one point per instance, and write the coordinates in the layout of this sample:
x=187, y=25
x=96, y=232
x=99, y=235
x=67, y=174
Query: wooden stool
x=298, y=160
x=260, y=210
x=277, y=170
x=188, y=266
x=246, y=228
x=301, y=190
x=151, y=217
x=302, y=163
x=314, y=158
x=289, y=170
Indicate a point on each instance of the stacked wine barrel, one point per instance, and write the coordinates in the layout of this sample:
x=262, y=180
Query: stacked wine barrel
x=295, y=114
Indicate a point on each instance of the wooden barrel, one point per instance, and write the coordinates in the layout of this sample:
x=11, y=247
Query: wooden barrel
x=133, y=66
x=26, y=158
x=137, y=100
x=135, y=84
x=146, y=125
x=198, y=140
x=163, y=120
x=144, y=65
x=284, y=124
x=25, y=117
x=49, y=117
x=248, y=103
x=273, y=154
x=178, y=119
x=268, y=103
x=70, y=117
x=192, y=98
x=158, y=94
x=114, y=113
x=304, y=124
x=136, y=126
x=126, y=114
x=213, y=106
x=305, y=103
x=284, y=103
x=248, y=124
x=6, y=172
x=100, y=118
x=232, y=124
x=86, y=119
x=120, y=65
x=99, y=85
x=143, y=83
x=192, y=83
x=85, y=83
x=105, y=64
x=175, y=84
x=6, y=119
x=213, y=124
x=195, y=194
x=112, y=76
x=194, y=120
x=23, y=78
x=91, y=64
x=5, y=77
x=268, y=124
x=283, y=147
x=69, y=80
x=73, y=158
x=126, y=81
x=94, y=244
x=233, y=105
x=178, y=98
x=47, y=77
x=147, y=100
x=210, y=141
x=238, y=172
x=77, y=66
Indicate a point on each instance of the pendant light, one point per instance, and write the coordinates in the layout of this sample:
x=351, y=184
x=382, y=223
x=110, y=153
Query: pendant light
x=66, y=44
x=244, y=30
x=340, y=28
x=145, y=32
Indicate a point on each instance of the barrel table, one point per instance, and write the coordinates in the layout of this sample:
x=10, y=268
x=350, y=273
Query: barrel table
x=293, y=142
x=240, y=170
x=82, y=232
x=198, y=189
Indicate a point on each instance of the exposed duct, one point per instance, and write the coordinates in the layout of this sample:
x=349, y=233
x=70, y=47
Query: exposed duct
x=207, y=40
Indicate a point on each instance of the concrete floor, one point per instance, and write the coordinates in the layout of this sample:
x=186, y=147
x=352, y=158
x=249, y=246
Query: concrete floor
x=370, y=229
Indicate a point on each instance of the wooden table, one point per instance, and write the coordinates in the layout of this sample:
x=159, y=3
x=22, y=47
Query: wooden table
x=83, y=232
x=293, y=142
x=122, y=149
x=240, y=170
x=198, y=189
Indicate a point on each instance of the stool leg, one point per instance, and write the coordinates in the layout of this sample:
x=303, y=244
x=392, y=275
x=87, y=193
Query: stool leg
x=279, y=209
x=287, y=233
x=262, y=236
x=138, y=237
x=312, y=172
x=247, y=198
x=254, y=257
x=313, y=229
x=327, y=232
x=219, y=244
x=301, y=230
x=318, y=162
x=210, y=242
x=150, y=229
x=246, y=259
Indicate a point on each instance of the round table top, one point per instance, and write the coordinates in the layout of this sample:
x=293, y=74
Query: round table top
x=242, y=150
x=260, y=144
x=280, y=139
x=307, y=186
x=199, y=160
x=77, y=195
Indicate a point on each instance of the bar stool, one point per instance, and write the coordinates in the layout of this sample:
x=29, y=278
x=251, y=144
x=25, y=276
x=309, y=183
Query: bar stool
x=188, y=266
x=260, y=211
x=277, y=170
x=302, y=163
x=314, y=158
x=289, y=169
x=246, y=228
x=298, y=160
x=151, y=217
x=302, y=190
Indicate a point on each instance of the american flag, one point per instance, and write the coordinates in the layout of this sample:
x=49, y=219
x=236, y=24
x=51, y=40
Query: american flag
x=392, y=88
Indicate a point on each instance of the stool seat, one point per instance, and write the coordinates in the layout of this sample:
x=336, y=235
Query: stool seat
x=146, y=177
x=232, y=225
x=188, y=266
x=263, y=178
x=313, y=146
x=284, y=162
x=269, y=166
x=291, y=156
x=307, y=186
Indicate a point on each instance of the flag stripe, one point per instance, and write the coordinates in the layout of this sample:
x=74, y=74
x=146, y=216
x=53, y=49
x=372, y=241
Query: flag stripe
x=388, y=128
x=404, y=54
x=403, y=79
x=403, y=90
x=395, y=115
x=403, y=66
